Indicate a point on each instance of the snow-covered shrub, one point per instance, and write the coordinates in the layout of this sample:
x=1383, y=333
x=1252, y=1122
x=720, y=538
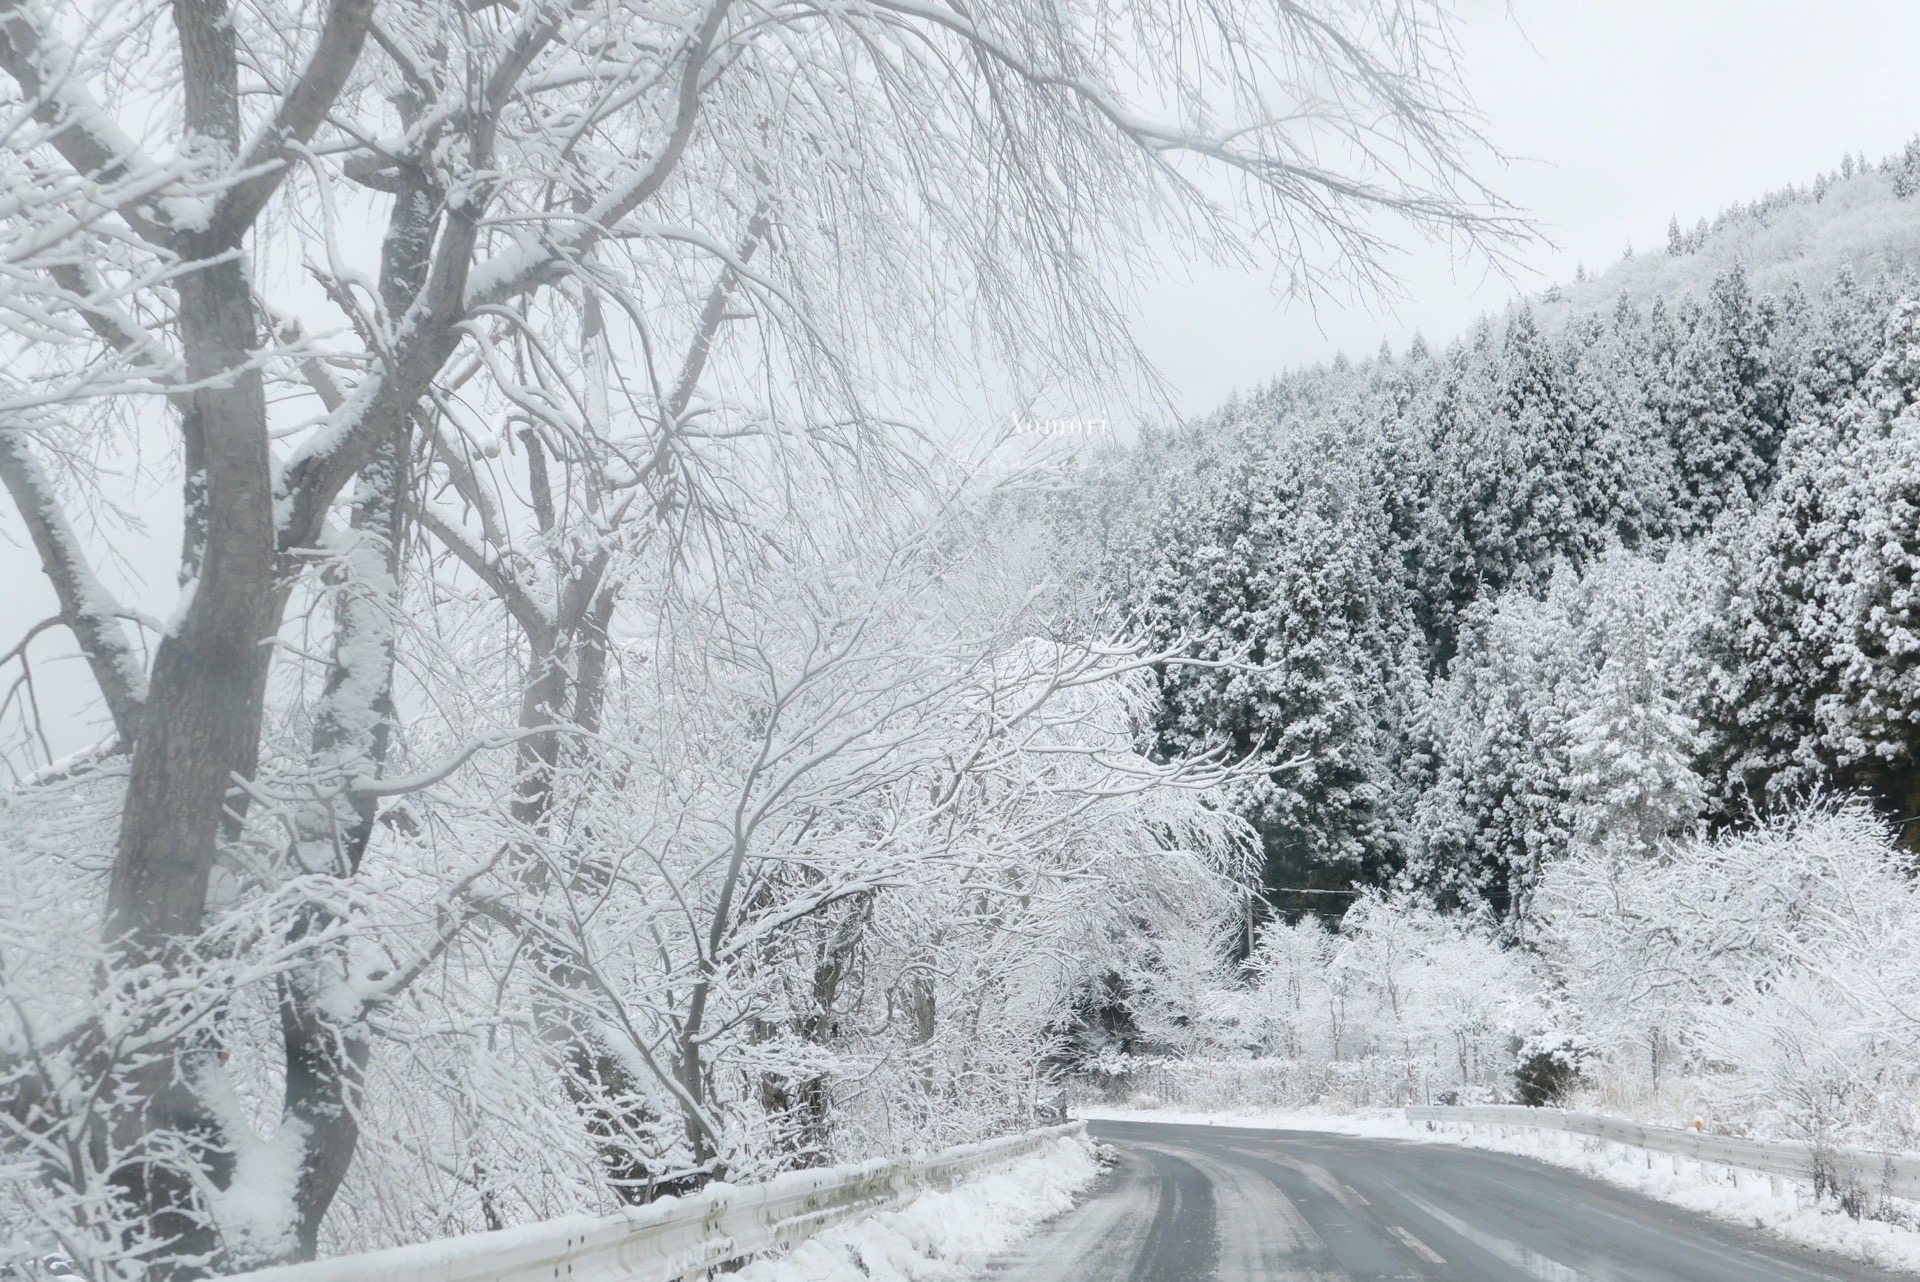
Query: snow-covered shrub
x=1759, y=979
x=1401, y=1004
x=1768, y=972
x=1441, y=988
x=1220, y=1083
x=1547, y=1071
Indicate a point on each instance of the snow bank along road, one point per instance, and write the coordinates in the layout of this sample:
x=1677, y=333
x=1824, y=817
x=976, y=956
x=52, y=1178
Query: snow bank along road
x=1189, y=1203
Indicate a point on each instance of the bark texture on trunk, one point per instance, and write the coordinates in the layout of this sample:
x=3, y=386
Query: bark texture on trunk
x=196, y=732
x=201, y=726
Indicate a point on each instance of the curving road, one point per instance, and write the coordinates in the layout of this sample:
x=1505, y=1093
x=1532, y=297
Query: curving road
x=1191, y=1203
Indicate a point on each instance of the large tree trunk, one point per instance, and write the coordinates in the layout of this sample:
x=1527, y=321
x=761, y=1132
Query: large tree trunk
x=326, y=1055
x=613, y=1106
x=200, y=730
x=201, y=727
x=839, y=954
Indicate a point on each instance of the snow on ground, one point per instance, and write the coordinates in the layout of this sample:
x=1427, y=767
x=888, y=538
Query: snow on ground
x=1792, y=1214
x=942, y=1235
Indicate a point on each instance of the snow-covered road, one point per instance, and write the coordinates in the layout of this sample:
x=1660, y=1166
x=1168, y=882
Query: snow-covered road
x=1190, y=1203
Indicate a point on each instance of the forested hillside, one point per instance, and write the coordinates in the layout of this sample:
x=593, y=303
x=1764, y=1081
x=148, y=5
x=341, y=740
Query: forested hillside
x=1614, y=568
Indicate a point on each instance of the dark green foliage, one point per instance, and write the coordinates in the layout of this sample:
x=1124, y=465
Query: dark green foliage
x=1271, y=568
x=1816, y=651
x=1546, y=1077
x=1724, y=399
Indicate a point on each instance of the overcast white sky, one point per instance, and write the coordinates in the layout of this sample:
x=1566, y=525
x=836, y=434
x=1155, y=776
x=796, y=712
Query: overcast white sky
x=1618, y=114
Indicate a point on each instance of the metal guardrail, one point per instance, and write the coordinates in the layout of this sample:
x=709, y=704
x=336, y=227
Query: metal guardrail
x=675, y=1236
x=1897, y=1174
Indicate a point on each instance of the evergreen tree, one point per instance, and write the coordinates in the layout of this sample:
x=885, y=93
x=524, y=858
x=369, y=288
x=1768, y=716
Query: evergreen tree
x=1814, y=658
x=1724, y=402
x=1497, y=811
x=1873, y=727
x=1279, y=577
x=1631, y=784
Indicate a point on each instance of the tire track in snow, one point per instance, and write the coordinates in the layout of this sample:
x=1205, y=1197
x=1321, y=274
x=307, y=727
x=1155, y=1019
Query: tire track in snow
x=1097, y=1241
x=1260, y=1233
x=1181, y=1242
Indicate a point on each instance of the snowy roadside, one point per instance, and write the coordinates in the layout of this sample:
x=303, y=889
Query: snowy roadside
x=1791, y=1215
x=942, y=1235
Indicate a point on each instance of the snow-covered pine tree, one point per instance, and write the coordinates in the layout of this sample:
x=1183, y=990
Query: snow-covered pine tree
x=1497, y=811
x=1810, y=686
x=1631, y=746
x=1278, y=576
x=1873, y=728
x=1725, y=401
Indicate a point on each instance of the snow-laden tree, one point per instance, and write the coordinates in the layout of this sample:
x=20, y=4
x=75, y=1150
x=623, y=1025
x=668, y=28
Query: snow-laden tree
x=851, y=837
x=1875, y=726
x=1401, y=1002
x=1565, y=720
x=342, y=273
x=1631, y=745
x=1497, y=811
x=1841, y=341
x=1771, y=964
x=1542, y=447
x=1758, y=979
x=853, y=831
x=1724, y=399
x=1629, y=473
x=1813, y=681
x=1445, y=993
x=1285, y=1013
x=1275, y=578
x=1740, y=457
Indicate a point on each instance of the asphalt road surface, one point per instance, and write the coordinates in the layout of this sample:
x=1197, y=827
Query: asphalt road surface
x=1190, y=1203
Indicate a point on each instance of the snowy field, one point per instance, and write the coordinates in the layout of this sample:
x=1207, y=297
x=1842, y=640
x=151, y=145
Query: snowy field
x=942, y=1235
x=1709, y=1190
